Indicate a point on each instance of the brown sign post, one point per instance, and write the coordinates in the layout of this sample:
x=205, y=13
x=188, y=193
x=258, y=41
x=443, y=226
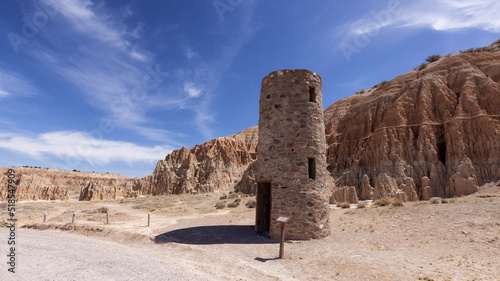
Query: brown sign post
x=283, y=221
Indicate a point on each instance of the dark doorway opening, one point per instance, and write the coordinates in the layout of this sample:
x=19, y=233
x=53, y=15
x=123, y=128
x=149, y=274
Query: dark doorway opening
x=312, y=168
x=312, y=94
x=263, y=210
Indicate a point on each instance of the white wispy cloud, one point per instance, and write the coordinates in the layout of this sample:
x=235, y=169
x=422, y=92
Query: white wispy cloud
x=190, y=53
x=81, y=146
x=85, y=19
x=453, y=14
x=191, y=90
x=12, y=84
x=111, y=69
x=441, y=15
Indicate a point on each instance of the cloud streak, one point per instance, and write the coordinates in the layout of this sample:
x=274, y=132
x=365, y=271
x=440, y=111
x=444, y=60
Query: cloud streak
x=441, y=15
x=81, y=146
x=12, y=84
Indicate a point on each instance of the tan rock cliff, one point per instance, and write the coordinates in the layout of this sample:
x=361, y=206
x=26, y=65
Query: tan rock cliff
x=215, y=165
x=50, y=184
x=439, y=126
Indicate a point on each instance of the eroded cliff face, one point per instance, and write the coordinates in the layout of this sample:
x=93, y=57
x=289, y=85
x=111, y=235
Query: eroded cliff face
x=215, y=165
x=439, y=127
x=50, y=184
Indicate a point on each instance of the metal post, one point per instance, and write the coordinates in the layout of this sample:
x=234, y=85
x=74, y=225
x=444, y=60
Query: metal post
x=107, y=217
x=282, y=221
x=45, y=217
x=74, y=217
x=149, y=218
x=282, y=241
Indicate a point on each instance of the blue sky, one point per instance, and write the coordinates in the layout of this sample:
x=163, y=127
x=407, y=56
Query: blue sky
x=114, y=86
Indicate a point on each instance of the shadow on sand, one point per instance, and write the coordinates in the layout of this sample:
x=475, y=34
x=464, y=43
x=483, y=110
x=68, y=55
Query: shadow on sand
x=216, y=234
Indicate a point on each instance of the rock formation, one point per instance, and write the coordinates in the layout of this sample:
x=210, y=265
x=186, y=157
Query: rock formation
x=366, y=189
x=215, y=165
x=109, y=189
x=439, y=126
x=50, y=184
x=344, y=194
x=247, y=183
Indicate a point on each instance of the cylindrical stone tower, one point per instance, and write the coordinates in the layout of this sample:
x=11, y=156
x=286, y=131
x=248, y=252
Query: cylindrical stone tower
x=292, y=173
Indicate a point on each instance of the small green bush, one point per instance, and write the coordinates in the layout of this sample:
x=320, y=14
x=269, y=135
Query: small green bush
x=446, y=200
x=232, y=196
x=435, y=200
x=421, y=67
x=233, y=204
x=432, y=58
x=382, y=202
x=223, y=197
x=397, y=203
x=251, y=203
x=361, y=205
x=103, y=210
x=343, y=205
x=220, y=205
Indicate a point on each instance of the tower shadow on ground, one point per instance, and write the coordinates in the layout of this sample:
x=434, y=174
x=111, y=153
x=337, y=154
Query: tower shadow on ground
x=214, y=234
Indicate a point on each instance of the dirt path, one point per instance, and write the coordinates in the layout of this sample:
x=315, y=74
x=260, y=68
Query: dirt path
x=456, y=240
x=50, y=255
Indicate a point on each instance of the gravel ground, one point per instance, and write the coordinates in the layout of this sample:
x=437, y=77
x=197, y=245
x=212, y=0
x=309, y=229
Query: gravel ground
x=51, y=255
x=456, y=239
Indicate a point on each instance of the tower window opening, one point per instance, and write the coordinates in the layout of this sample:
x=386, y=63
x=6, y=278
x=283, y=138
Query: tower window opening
x=312, y=94
x=312, y=168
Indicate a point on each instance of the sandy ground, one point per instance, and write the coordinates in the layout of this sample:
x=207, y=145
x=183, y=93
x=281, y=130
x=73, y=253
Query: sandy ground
x=189, y=239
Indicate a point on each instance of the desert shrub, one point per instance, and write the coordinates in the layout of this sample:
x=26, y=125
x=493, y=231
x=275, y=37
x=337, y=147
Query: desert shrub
x=237, y=200
x=421, y=67
x=234, y=204
x=220, y=205
x=251, y=203
x=381, y=84
x=432, y=58
x=223, y=197
x=397, y=203
x=232, y=196
x=478, y=50
x=467, y=51
x=435, y=200
x=486, y=195
x=382, y=202
x=448, y=200
x=103, y=210
x=343, y=205
x=361, y=205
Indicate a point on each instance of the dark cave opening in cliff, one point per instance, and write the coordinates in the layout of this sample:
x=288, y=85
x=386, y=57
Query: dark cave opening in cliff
x=441, y=143
x=442, y=151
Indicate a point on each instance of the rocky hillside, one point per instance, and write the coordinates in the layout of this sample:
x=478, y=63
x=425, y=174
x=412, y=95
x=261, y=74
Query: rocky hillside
x=215, y=165
x=434, y=131
x=50, y=184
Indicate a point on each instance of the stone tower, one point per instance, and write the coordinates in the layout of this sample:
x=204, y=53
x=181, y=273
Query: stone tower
x=292, y=175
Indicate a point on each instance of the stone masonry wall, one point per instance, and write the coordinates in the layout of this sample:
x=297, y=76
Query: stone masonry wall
x=292, y=131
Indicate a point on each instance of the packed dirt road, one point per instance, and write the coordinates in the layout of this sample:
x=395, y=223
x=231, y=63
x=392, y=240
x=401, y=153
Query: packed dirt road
x=50, y=255
x=443, y=239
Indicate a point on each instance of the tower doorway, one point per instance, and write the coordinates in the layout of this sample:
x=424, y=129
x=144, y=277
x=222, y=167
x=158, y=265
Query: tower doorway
x=263, y=210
